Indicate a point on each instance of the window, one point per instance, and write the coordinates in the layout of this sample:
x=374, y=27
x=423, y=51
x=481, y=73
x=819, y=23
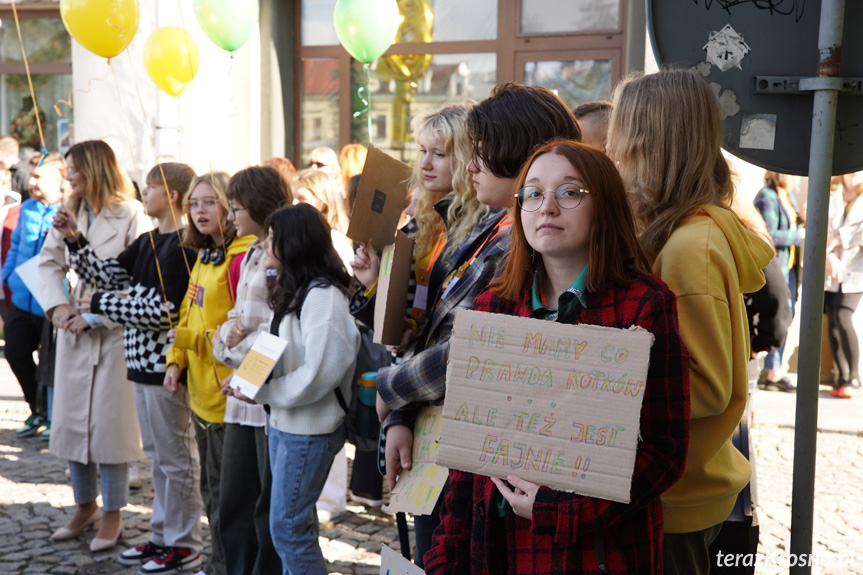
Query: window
x=452, y=50
x=49, y=51
x=563, y=16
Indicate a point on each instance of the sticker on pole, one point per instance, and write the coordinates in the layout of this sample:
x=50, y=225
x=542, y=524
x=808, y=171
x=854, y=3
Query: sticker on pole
x=726, y=49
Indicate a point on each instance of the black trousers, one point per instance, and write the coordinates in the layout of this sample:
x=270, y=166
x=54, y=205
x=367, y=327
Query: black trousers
x=844, y=342
x=23, y=335
x=244, y=506
x=210, y=438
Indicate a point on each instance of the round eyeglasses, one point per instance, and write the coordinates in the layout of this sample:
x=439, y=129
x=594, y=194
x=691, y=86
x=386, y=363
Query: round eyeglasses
x=567, y=197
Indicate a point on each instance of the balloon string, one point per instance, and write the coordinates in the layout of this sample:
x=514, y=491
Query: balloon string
x=152, y=137
x=366, y=101
x=44, y=150
x=141, y=180
x=121, y=33
x=57, y=105
x=90, y=83
x=212, y=175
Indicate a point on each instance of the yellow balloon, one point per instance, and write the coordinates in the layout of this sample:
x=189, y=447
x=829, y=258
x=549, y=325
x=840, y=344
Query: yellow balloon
x=171, y=59
x=104, y=27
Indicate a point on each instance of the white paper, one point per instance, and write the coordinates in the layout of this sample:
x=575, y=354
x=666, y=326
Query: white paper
x=29, y=274
x=392, y=563
x=726, y=49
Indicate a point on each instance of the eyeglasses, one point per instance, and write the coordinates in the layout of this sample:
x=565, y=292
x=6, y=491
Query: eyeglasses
x=208, y=202
x=317, y=165
x=567, y=196
x=234, y=210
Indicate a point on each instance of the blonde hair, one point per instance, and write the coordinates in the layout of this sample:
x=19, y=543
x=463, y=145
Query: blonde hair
x=107, y=183
x=324, y=189
x=449, y=124
x=194, y=239
x=352, y=158
x=666, y=134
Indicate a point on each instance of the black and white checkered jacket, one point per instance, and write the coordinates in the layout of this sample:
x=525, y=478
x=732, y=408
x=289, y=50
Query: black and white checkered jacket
x=131, y=293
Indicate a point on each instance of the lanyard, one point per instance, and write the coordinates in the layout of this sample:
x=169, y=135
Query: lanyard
x=502, y=225
x=436, y=252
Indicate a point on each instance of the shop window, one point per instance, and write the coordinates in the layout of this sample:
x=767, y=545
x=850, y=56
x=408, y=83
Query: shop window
x=403, y=86
x=563, y=16
x=450, y=21
x=319, y=104
x=49, y=52
x=576, y=82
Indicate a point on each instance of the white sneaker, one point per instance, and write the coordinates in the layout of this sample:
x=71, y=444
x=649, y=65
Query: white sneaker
x=134, y=478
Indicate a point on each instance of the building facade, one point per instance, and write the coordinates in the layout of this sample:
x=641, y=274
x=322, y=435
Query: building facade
x=292, y=87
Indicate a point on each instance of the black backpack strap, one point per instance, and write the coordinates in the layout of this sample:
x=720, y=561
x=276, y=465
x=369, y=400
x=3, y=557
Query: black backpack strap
x=274, y=325
x=341, y=399
x=599, y=544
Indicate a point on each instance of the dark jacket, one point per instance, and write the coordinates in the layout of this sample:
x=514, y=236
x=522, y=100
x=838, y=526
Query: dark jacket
x=769, y=310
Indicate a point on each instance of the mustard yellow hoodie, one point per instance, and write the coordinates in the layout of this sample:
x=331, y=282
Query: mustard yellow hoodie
x=709, y=261
x=204, y=308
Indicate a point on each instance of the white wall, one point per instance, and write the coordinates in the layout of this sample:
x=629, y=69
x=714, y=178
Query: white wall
x=215, y=123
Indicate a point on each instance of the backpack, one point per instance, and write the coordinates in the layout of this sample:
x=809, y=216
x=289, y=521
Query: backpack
x=361, y=420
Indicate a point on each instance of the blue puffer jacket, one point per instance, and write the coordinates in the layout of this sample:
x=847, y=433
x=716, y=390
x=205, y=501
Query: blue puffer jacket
x=34, y=220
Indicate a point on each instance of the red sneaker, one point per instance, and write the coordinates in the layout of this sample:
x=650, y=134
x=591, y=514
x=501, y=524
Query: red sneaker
x=173, y=560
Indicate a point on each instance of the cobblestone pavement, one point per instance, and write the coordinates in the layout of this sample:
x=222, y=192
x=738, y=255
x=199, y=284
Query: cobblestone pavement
x=838, y=526
x=35, y=497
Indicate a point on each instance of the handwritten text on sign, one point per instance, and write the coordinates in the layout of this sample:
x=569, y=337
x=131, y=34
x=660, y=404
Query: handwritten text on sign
x=552, y=403
x=418, y=489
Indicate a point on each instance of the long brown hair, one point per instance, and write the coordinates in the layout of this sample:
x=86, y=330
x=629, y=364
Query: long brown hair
x=613, y=239
x=107, y=182
x=666, y=135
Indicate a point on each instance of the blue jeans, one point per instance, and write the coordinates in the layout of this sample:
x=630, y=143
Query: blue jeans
x=300, y=465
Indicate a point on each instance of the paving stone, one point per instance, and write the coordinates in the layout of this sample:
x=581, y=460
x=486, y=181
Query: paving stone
x=36, y=498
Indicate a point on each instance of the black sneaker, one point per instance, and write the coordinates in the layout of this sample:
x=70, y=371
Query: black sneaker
x=140, y=554
x=173, y=560
x=783, y=384
x=32, y=426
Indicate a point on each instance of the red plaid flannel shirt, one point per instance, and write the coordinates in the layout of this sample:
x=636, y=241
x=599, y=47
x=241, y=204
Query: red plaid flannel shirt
x=566, y=528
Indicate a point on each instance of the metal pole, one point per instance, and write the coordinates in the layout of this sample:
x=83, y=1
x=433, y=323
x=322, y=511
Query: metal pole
x=826, y=85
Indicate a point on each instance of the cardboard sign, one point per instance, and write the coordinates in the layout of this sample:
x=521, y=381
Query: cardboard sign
x=380, y=199
x=555, y=404
x=392, y=291
x=258, y=364
x=418, y=490
x=393, y=563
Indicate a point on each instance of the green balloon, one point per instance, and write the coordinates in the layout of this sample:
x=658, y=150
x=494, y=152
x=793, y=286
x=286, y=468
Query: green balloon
x=366, y=28
x=228, y=23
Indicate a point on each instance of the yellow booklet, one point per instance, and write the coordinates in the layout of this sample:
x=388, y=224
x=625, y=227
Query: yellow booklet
x=258, y=364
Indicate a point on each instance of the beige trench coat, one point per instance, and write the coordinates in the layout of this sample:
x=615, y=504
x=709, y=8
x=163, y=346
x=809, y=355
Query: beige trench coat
x=93, y=416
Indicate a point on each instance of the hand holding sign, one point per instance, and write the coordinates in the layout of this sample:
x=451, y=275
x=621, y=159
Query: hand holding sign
x=520, y=497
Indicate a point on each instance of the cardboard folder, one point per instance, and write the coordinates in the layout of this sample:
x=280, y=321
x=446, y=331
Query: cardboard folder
x=380, y=199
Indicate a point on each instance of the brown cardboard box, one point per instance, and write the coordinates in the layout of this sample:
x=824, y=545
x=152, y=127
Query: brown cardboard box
x=392, y=292
x=380, y=199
